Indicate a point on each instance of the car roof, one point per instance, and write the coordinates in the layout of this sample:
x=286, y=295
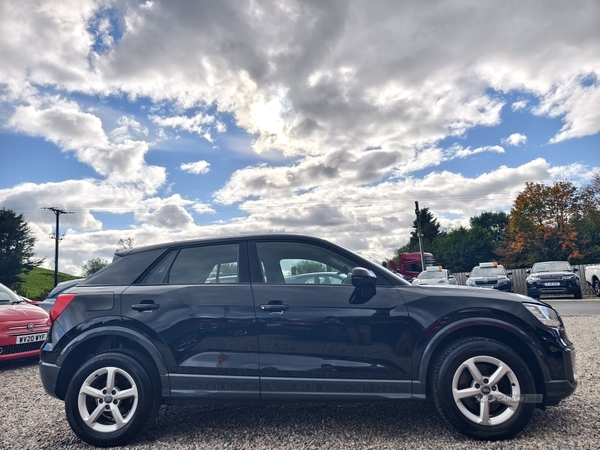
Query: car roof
x=216, y=240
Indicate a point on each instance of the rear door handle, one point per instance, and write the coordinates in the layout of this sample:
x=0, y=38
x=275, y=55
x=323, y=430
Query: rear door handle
x=275, y=307
x=145, y=305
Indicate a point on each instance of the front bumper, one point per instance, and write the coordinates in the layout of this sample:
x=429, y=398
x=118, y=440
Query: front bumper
x=536, y=290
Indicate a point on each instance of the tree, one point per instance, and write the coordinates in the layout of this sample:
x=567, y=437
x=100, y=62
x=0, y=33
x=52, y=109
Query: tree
x=16, y=247
x=430, y=229
x=494, y=222
x=93, y=266
x=542, y=225
x=125, y=244
x=309, y=267
x=588, y=224
x=461, y=249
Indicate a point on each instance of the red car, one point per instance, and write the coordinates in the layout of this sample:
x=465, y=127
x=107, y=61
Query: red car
x=23, y=327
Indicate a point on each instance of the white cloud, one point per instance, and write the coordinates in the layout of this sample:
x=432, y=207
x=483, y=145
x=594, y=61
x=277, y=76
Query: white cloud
x=198, y=124
x=62, y=122
x=515, y=139
x=516, y=106
x=198, y=167
x=356, y=93
x=457, y=151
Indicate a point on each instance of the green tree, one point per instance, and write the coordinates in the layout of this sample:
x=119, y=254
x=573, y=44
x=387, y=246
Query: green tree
x=309, y=267
x=16, y=247
x=461, y=249
x=93, y=266
x=494, y=222
x=542, y=225
x=430, y=229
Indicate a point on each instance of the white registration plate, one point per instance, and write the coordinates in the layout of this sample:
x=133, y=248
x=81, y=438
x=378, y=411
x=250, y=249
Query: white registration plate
x=487, y=286
x=29, y=338
x=553, y=283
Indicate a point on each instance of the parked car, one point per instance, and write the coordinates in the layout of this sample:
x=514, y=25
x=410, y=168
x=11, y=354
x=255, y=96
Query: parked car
x=553, y=278
x=592, y=277
x=148, y=329
x=48, y=302
x=23, y=327
x=317, y=278
x=490, y=275
x=436, y=276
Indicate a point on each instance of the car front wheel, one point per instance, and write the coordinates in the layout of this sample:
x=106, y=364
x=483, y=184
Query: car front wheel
x=483, y=388
x=597, y=287
x=111, y=398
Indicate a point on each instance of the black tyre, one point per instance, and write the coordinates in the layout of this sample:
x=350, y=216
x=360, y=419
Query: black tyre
x=477, y=386
x=112, y=397
x=597, y=288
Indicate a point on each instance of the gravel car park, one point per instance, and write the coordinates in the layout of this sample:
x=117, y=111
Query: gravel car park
x=32, y=419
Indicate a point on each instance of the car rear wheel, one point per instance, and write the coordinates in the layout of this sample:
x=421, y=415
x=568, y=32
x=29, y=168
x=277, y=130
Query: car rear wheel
x=111, y=398
x=478, y=385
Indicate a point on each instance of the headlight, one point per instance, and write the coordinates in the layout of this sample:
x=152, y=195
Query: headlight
x=532, y=278
x=568, y=277
x=470, y=282
x=544, y=314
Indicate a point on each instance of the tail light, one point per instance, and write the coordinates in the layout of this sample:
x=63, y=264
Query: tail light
x=62, y=301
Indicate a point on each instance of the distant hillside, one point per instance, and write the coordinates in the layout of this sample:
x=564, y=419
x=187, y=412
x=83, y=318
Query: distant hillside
x=37, y=283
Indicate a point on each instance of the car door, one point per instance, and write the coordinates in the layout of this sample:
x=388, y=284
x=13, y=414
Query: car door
x=326, y=341
x=197, y=304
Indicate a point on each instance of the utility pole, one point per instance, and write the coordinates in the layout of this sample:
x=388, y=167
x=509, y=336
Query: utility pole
x=420, y=236
x=57, y=212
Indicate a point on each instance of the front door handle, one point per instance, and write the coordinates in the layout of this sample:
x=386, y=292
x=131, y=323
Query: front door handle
x=275, y=306
x=145, y=305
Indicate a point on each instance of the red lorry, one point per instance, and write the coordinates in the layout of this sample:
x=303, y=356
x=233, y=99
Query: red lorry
x=410, y=264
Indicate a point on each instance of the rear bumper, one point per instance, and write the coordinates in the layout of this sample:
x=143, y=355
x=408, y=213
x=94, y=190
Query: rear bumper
x=49, y=375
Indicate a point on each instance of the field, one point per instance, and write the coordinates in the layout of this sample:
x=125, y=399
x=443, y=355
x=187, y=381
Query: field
x=37, y=283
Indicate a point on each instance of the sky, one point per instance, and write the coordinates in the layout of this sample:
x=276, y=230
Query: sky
x=173, y=120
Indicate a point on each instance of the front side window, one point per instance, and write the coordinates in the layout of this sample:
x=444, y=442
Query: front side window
x=302, y=263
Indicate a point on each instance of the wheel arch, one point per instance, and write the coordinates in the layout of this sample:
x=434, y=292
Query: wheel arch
x=101, y=340
x=496, y=330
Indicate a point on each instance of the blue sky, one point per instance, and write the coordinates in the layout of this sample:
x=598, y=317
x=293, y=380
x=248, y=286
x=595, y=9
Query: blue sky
x=161, y=121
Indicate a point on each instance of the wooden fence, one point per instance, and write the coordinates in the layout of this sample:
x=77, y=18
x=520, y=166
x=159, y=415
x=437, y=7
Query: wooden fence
x=519, y=276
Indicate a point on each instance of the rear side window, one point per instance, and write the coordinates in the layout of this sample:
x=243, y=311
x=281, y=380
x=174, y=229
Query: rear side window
x=209, y=264
x=124, y=271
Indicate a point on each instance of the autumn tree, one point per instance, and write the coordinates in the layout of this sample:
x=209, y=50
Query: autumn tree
x=542, y=225
x=16, y=247
x=587, y=224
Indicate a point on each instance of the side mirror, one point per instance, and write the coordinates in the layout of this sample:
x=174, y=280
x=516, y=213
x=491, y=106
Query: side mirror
x=528, y=271
x=575, y=269
x=363, y=278
x=508, y=273
x=466, y=276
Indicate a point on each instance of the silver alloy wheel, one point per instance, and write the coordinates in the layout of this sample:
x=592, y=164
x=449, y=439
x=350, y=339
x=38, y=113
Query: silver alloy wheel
x=108, y=399
x=486, y=390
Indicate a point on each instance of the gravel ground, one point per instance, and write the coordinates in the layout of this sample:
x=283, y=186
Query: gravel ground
x=30, y=419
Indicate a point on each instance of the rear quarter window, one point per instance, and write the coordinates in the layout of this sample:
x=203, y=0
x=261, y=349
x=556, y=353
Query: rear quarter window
x=125, y=270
